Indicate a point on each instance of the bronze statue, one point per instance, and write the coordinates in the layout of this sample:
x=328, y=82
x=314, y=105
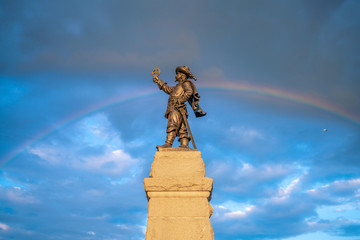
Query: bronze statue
x=176, y=112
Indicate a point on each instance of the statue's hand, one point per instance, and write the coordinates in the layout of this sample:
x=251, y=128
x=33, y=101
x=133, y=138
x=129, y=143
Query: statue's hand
x=155, y=79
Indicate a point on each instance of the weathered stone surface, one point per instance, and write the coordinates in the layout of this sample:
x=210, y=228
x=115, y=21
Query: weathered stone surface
x=178, y=184
x=178, y=197
x=179, y=228
x=179, y=207
x=177, y=164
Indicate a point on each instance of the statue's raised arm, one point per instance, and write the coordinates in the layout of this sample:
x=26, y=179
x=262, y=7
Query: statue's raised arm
x=176, y=112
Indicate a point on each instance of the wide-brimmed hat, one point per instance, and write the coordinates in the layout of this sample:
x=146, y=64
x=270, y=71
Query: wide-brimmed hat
x=186, y=71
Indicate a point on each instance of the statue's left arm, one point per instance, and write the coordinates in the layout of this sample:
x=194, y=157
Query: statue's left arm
x=188, y=91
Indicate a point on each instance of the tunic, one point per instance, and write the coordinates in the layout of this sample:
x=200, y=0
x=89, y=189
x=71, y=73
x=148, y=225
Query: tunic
x=179, y=95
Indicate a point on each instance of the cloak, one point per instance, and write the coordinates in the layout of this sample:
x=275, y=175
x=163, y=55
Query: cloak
x=194, y=101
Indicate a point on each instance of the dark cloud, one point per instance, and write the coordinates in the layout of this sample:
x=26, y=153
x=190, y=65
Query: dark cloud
x=342, y=161
x=302, y=46
x=96, y=36
x=349, y=230
x=286, y=214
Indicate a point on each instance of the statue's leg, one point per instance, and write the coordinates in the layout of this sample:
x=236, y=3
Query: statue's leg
x=183, y=135
x=171, y=129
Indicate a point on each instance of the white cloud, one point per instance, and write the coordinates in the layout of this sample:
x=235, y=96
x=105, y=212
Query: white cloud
x=17, y=195
x=341, y=188
x=262, y=172
x=4, y=227
x=231, y=209
x=246, y=135
x=122, y=226
x=286, y=190
x=236, y=214
x=111, y=162
x=48, y=153
x=92, y=145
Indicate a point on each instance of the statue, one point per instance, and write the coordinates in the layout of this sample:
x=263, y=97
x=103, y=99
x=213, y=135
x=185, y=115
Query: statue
x=176, y=112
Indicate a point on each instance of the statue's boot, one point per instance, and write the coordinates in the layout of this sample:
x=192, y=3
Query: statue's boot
x=170, y=137
x=184, y=143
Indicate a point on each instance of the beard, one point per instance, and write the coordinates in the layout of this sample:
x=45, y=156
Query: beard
x=179, y=79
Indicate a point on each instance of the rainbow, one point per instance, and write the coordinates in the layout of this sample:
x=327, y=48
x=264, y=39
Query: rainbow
x=217, y=86
x=282, y=94
x=127, y=97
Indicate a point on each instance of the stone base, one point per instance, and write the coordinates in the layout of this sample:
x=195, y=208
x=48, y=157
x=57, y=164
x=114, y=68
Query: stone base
x=175, y=228
x=178, y=197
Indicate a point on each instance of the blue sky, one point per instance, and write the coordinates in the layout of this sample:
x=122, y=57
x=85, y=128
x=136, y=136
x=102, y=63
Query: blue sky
x=80, y=115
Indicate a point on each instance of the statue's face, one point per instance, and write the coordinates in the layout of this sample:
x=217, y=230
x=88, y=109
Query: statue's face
x=180, y=77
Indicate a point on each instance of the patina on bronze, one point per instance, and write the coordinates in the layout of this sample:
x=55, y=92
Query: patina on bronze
x=176, y=112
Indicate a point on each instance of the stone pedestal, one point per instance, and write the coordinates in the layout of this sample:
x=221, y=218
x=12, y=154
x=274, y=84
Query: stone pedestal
x=178, y=197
